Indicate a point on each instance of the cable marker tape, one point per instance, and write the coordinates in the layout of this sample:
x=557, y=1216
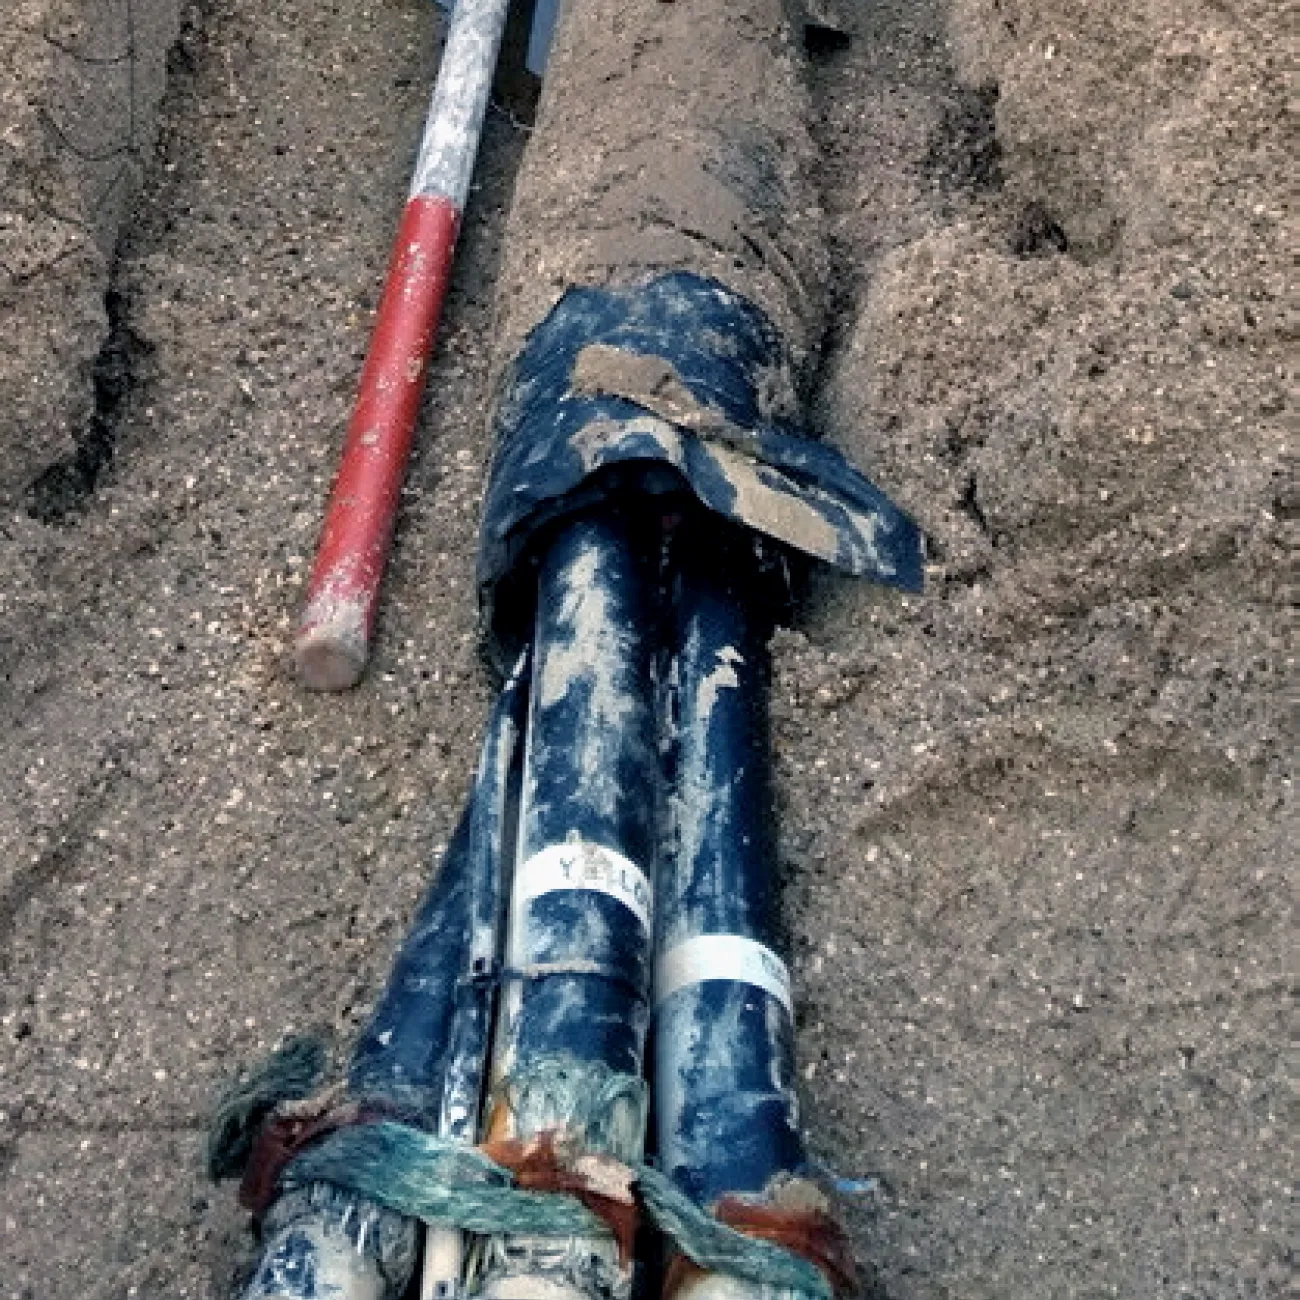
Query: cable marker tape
x=722, y=957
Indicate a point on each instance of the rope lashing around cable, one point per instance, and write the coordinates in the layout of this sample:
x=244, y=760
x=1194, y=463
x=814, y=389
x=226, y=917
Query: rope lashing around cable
x=290, y=1073
x=447, y=1183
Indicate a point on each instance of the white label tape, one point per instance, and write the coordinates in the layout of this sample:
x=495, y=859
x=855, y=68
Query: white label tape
x=583, y=865
x=722, y=957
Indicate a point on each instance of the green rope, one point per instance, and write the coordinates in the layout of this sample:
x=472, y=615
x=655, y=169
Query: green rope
x=442, y=1182
x=290, y=1073
x=437, y=1181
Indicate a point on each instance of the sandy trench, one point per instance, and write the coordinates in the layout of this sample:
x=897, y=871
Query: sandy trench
x=1037, y=824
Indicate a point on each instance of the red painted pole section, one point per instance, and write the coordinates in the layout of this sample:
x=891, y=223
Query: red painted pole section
x=343, y=591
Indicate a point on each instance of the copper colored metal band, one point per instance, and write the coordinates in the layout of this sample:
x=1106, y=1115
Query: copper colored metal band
x=810, y=1234
x=283, y=1137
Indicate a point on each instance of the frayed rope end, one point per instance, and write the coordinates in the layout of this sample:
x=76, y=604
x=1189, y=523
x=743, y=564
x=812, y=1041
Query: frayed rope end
x=289, y=1073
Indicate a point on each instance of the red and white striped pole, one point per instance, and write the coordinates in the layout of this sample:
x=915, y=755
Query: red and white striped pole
x=333, y=638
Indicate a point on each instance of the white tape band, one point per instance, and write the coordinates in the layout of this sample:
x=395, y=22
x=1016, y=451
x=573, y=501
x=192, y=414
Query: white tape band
x=722, y=957
x=582, y=865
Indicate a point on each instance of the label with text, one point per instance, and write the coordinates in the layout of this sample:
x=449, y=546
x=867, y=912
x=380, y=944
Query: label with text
x=587, y=866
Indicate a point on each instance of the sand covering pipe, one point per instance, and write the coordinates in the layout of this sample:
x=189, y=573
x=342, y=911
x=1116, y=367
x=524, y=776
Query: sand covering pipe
x=670, y=137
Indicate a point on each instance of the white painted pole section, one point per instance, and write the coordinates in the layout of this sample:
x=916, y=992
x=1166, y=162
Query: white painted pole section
x=459, y=103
